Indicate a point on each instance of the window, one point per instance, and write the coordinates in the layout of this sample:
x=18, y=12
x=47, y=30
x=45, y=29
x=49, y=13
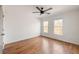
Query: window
x=58, y=27
x=45, y=26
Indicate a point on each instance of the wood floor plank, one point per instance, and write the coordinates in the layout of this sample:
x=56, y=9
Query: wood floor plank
x=41, y=45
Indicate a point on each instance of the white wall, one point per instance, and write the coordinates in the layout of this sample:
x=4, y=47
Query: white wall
x=20, y=23
x=71, y=26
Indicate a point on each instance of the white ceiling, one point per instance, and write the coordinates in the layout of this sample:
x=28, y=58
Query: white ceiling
x=32, y=8
x=56, y=8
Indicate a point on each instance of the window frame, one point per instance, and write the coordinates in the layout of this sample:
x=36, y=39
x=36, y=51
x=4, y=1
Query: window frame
x=44, y=27
x=60, y=29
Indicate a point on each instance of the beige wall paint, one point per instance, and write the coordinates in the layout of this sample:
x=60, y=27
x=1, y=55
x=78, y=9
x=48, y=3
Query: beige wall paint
x=1, y=30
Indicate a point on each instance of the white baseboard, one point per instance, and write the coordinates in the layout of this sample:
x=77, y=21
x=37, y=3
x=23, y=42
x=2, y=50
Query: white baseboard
x=32, y=36
x=69, y=41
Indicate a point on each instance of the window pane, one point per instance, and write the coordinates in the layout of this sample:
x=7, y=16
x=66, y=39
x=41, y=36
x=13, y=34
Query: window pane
x=45, y=25
x=58, y=24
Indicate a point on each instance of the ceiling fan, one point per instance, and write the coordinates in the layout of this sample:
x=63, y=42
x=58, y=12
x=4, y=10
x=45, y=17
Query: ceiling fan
x=42, y=11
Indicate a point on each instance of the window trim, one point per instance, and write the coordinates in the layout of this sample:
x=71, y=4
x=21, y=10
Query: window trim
x=61, y=27
x=45, y=31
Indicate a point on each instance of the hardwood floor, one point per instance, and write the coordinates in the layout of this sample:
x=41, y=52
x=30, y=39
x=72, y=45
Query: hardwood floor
x=41, y=45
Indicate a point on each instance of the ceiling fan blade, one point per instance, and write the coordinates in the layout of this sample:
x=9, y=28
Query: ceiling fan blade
x=48, y=9
x=38, y=8
x=48, y=13
x=36, y=12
